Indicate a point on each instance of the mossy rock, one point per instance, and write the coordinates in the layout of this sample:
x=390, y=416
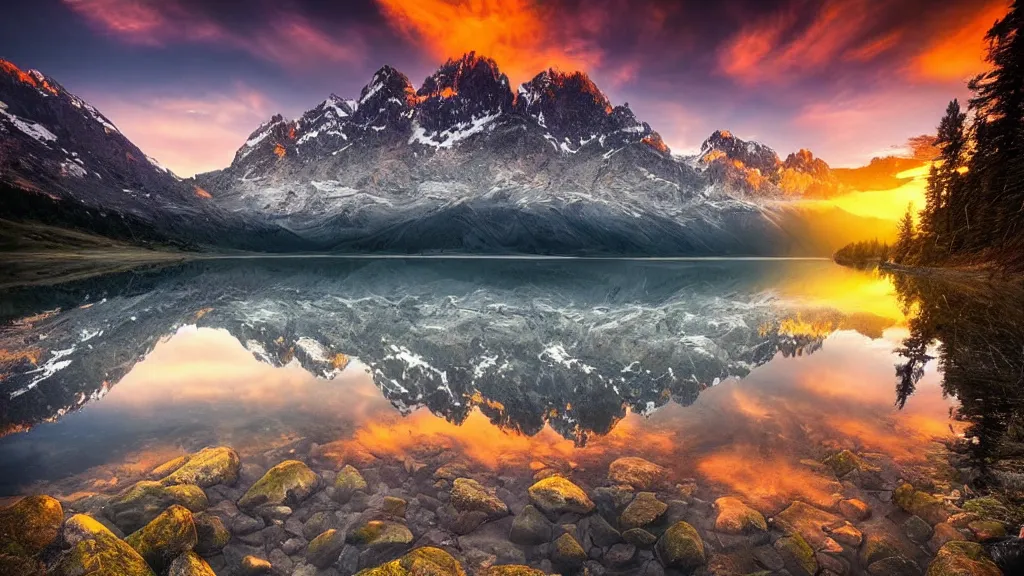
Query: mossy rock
x=844, y=462
x=208, y=467
x=348, y=482
x=426, y=561
x=962, y=559
x=468, y=495
x=190, y=564
x=681, y=547
x=530, y=528
x=512, y=570
x=211, y=534
x=556, y=495
x=985, y=530
x=171, y=533
x=635, y=472
x=567, y=552
x=919, y=503
x=287, y=484
x=97, y=552
x=878, y=546
x=735, y=517
x=325, y=548
x=644, y=510
x=380, y=532
x=143, y=501
x=988, y=508
x=639, y=537
x=394, y=506
x=254, y=565
x=798, y=554
x=30, y=525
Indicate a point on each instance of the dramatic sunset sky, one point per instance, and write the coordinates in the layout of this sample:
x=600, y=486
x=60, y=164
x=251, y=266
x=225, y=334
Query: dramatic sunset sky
x=188, y=80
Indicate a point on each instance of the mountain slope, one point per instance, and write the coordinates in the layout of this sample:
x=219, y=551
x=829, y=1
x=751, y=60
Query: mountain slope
x=65, y=163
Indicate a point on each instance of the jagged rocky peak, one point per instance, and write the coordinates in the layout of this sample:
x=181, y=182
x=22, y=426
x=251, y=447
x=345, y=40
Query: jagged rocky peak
x=462, y=97
x=385, y=104
x=804, y=161
x=272, y=140
x=754, y=155
x=575, y=112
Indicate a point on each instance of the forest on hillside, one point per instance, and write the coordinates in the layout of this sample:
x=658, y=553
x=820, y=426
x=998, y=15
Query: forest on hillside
x=974, y=201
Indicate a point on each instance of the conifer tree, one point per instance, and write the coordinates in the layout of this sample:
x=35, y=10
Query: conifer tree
x=905, y=238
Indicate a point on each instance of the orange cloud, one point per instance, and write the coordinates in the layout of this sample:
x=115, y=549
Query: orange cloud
x=959, y=52
x=875, y=47
x=782, y=45
x=288, y=39
x=520, y=35
x=188, y=134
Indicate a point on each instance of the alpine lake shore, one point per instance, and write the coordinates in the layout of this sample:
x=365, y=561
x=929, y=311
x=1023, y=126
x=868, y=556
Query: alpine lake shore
x=306, y=509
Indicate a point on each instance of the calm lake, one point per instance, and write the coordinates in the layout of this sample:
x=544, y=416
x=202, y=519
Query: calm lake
x=740, y=378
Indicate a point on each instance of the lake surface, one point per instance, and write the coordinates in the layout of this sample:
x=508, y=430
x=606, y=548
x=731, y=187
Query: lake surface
x=738, y=377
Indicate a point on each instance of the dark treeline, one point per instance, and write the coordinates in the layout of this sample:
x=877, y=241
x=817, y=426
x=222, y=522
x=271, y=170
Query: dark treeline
x=974, y=208
x=868, y=253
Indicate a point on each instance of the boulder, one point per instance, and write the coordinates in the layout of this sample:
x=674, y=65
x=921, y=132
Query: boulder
x=636, y=472
x=645, y=509
x=894, y=566
x=855, y=510
x=918, y=503
x=211, y=534
x=844, y=462
x=94, y=550
x=394, y=506
x=988, y=508
x=556, y=495
x=255, y=566
x=288, y=483
x=208, y=467
x=468, y=495
x=190, y=564
x=986, y=530
x=426, y=561
x=797, y=554
x=735, y=517
x=811, y=524
x=566, y=552
x=530, y=528
x=620, y=554
x=917, y=529
x=30, y=525
x=962, y=559
x=681, y=547
x=879, y=546
x=639, y=537
x=143, y=501
x=171, y=533
x=380, y=532
x=325, y=548
x=348, y=482
x=942, y=534
x=848, y=535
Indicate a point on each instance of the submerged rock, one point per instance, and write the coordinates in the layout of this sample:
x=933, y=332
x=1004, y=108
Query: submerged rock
x=20, y=566
x=426, y=561
x=171, y=533
x=855, y=510
x=645, y=509
x=844, y=462
x=394, y=506
x=848, y=535
x=348, y=482
x=211, y=534
x=636, y=472
x=917, y=529
x=208, y=467
x=894, y=566
x=290, y=482
x=639, y=537
x=530, y=528
x=190, y=564
x=942, y=534
x=735, y=517
x=681, y=547
x=512, y=570
x=879, y=546
x=962, y=559
x=468, y=495
x=566, y=552
x=797, y=555
x=556, y=495
x=255, y=566
x=811, y=524
x=986, y=530
x=379, y=532
x=30, y=525
x=97, y=552
x=145, y=500
x=325, y=548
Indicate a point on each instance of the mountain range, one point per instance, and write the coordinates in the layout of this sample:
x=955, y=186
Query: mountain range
x=463, y=163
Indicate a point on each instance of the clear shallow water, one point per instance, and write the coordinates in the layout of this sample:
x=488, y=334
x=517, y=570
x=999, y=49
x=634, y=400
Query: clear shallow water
x=738, y=375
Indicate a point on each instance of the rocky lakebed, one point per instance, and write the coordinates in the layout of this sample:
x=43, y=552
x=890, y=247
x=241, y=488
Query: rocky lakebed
x=299, y=510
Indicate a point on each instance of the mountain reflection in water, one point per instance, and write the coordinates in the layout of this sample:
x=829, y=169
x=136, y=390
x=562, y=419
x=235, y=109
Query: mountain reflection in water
x=706, y=366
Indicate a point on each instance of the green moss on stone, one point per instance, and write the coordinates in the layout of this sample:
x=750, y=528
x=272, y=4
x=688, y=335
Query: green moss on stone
x=190, y=564
x=468, y=495
x=962, y=559
x=290, y=482
x=97, y=552
x=30, y=525
x=556, y=494
x=208, y=467
x=381, y=532
x=645, y=509
x=171, y=533
x=681, y=547
x=799, y=553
